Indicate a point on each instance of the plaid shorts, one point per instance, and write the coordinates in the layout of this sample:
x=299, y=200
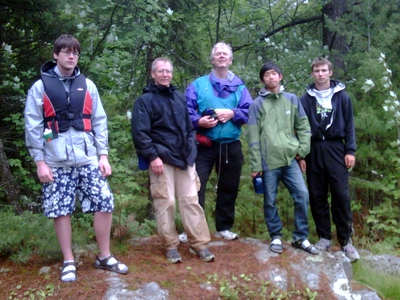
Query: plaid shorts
x=84, y=182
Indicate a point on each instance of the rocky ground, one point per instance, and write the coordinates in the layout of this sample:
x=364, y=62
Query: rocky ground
x=243, y=269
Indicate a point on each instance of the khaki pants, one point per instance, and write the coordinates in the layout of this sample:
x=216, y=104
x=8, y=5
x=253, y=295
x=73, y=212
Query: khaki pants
x=182, y=185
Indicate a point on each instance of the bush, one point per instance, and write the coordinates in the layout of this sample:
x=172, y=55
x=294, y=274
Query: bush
x=27, y=234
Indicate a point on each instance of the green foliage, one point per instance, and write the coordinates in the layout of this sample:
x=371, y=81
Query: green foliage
x=33, y=293
x=20, y=161
x=121, y=38
x=23, y=235
x=382, y=163
x=385, y=285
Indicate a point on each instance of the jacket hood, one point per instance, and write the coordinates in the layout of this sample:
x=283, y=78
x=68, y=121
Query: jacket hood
x=159, y=89
x=335, y=84
x=264, y=92
x=50, y=68
x=230, y=84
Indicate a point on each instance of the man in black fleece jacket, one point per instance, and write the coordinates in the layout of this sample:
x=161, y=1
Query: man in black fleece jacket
x=164, y=136
x=333, y=146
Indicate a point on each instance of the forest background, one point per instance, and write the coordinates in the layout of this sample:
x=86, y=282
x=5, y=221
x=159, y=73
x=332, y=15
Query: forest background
x=120, y=39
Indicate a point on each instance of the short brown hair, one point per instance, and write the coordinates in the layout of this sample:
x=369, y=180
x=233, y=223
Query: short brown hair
x=321, y=61
x=66, y=41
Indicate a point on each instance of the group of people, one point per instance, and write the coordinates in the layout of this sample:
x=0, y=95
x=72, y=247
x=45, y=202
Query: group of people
x=183, y=137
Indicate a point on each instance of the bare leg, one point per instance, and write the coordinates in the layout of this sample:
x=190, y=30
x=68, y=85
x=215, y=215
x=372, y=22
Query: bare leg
x=102, y=229
x=62, y=225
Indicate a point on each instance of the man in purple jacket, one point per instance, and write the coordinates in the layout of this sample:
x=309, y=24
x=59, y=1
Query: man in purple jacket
x=333, y=146
x=218, y=106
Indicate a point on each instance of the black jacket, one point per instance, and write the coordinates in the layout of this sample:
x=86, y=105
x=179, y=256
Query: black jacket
x=342, y=120
x=161, y=127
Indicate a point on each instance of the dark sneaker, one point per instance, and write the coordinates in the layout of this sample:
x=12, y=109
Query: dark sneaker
x=173, y=256
x=323, y=244
x=351, y=252
x=305, y=245
x=204, y=254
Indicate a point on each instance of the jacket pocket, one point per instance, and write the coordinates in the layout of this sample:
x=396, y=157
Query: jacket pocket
x=90, y=149
x=56, y=150
x=159, y=189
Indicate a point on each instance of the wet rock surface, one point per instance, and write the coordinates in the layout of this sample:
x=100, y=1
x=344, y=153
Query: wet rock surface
x=328, y=270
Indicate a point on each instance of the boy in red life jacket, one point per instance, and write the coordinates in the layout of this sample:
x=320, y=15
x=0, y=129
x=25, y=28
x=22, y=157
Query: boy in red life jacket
x=66, y=135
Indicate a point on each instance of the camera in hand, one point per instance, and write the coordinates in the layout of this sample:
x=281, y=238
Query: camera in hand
x=210, y=112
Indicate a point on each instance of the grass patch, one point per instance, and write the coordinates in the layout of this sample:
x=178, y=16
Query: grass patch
x=386, y=286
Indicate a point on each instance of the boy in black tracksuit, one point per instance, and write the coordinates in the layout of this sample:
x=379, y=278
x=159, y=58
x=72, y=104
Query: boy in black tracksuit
x=333, y=146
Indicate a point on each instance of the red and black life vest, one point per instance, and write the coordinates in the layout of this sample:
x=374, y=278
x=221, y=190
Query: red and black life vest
x=64, y=109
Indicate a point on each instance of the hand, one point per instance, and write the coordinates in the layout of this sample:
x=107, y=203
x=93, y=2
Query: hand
x=157, y=166
x=44, y=172
x=224, y=115
x=254, y=174
x=104, y=165
x=302, y=164
x=349, y=160
x=207, y=122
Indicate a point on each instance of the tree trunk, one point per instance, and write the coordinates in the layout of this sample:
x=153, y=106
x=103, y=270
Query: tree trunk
x=335, y=42
x=6, y=179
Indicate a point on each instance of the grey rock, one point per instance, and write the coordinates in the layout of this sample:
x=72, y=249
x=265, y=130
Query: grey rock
x=385, y=264
x=150, y=291
x=367, y=295
x=333, y=267
x=44, y=270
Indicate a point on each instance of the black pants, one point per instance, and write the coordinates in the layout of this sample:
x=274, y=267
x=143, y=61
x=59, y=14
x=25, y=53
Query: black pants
x=228, y=162
x=326, y=169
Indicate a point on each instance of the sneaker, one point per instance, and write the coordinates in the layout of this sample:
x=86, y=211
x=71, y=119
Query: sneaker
x=173, y=256
x=227, y=235
x=204, y=254
x=183, y=237
x=323, y=244
x=305, y=245
x=351, y=252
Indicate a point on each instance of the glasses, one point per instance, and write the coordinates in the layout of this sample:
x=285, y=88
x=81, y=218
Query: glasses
x=69, y=53
x=163, y=71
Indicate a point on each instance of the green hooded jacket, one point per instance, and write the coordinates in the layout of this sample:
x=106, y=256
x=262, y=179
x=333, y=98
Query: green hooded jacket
x=278, y=130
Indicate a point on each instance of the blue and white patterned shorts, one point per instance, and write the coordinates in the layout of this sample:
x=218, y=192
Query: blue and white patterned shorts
x=85, y=183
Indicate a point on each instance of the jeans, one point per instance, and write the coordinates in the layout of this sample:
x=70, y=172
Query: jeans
x=293, y=180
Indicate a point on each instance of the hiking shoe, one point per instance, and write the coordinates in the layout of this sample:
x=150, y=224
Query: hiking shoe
x=173, y=256
x=204, y=254
x=227, y=235
x=276, y=246
x=305, y=245
x=323, y=244
x=183, y=237
x=351, y=252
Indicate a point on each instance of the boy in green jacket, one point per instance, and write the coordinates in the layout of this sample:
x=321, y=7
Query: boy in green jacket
x=279, y=138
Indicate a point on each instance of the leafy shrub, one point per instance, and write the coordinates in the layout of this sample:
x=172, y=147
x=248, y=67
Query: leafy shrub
x=26, y=234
